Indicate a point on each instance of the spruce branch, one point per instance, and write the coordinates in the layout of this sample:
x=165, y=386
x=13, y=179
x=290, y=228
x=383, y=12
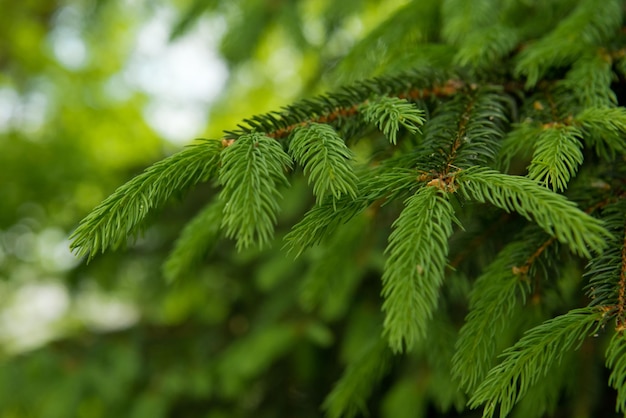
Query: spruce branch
x=482, y=128
x=607, y=272
x=415, y=265
x=326, y=159
x=338, y=107
x=530, y=261
x=467, y=130
x=252, y=169
x=519, y=142
x=398, y=43
x=196, y=240
x=388, y=113
x=236, y=367
x=589, y=80
x=386, y=181
x=492, y=302
x=319, y=222
x=587, y=26
x=604, y=129
x=122, y=213
x=349, y=396
x=336, y=270
x=616, y=362
x=461, y=18
x=557, y=156
x=444, y=132
x=555, y=214
x=487, y=46
x=532, y=357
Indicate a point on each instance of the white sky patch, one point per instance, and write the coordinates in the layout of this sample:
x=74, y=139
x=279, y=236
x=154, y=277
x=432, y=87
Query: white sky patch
x=27, y=113
x=182, y=77
x=29, y=318
x=102, y=312
x=53, y=248
x=66, y=40
x=8, y=99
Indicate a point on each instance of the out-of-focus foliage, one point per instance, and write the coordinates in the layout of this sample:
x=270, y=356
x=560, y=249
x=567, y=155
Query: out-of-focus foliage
x=73, y=127
x=260, y=285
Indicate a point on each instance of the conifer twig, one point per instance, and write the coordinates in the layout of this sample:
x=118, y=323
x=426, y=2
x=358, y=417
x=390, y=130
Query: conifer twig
x=621, y=294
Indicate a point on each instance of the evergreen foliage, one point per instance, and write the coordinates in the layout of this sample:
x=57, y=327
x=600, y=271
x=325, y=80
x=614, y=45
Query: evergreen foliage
x=122, y=213
x=478, y=189
x=326, y=159
x=251, y=171
x=389, y=113
x=411, y=281
x=532, y=358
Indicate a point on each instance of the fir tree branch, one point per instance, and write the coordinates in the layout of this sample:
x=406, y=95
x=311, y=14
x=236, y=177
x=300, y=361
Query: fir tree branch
x=383, y=182
x=482, y=128
x=487, y=46
x=326, y=159
x=336, y=270
x=492, y=302
x=604, y=129
x=525, y=268
x=621, y=292
x=605, y=271
x=462, y=18
x=122, y=213
x=197, y=239
x=388, y=113
x=415, y=265
x=557, y=156
x=557, y=216
x=616, y=362
x=251, y=172
x=349, y=396
x=532, y=357
x=589, y=80
x=585, y=27
x=319, y=222
x=336, y=108
x=518, y=143
x=467, y=130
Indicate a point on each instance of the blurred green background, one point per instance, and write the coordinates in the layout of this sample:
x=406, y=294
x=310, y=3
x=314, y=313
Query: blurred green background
x=92, y=92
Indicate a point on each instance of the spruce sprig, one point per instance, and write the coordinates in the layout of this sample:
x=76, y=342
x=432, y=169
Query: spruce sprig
x=487, y=46
x=604, y=130
x=493, y=299
x=589, y=81
x=532, y=357
x=616, y=362
x=197, y=239
x=326, y=160
x=414, y=271
x=349, y=396
x=252, y=169
x=557, y=156
x=482, y=127
x=519, y=143
x=586, y=26
x=383, y=182
x=388, y=113
x=605, y=271
x=122, y=213
x=557, y=216
x=339, y=107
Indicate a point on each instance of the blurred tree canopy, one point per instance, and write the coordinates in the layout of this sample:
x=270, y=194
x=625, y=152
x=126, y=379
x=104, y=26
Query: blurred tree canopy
x=113, y=338
x=184, y=321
